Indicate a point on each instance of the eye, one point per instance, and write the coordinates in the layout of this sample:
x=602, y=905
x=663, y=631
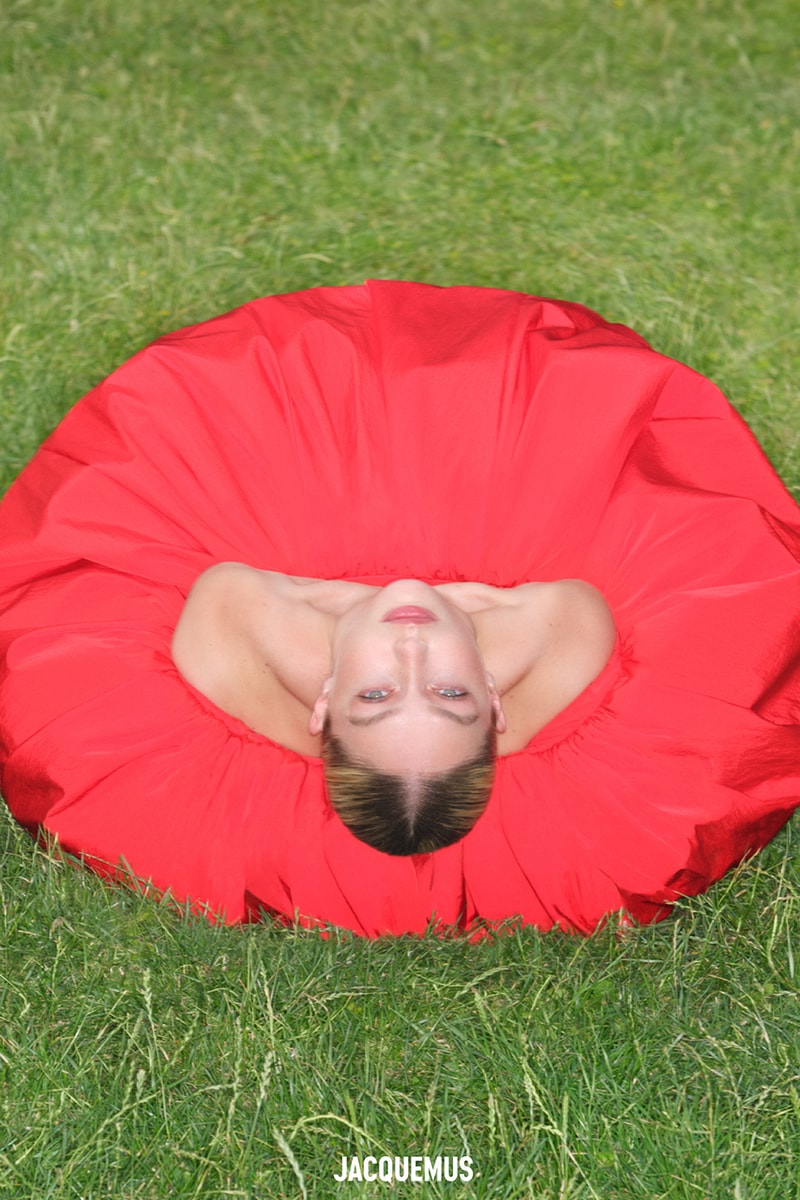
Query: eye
x=451, y=693
x=373, y=695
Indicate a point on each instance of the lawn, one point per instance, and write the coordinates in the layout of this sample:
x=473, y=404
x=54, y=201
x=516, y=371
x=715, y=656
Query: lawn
x=164, y=162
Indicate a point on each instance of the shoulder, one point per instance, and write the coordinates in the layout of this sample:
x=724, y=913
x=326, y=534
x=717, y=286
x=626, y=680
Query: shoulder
x=228, y=607
x=574, y=637
x=228, y=583
x=527, y=629
x=581, y=638
x=581, y=625
x=576, y=601
x=536, y=620
x=235, y=598
x=251, y=642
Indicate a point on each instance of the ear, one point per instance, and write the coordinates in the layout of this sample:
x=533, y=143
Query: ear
x=497, y=705
x=320, y=709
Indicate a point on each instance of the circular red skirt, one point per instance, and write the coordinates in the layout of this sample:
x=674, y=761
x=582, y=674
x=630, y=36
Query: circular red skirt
x=380, y=432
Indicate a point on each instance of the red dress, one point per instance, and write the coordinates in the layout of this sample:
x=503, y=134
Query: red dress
x=387, y=431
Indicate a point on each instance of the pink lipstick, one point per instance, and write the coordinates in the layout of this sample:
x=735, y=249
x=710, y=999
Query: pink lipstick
x=410, y=614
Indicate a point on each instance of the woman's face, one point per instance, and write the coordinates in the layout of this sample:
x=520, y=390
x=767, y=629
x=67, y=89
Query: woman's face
x=408, y=688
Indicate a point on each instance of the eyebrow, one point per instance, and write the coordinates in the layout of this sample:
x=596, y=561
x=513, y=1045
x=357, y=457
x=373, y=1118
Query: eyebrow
x=459, y=718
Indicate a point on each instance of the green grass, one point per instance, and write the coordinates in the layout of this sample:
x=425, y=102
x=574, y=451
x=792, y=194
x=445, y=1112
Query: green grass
x=145, y=1056
x=162, y=162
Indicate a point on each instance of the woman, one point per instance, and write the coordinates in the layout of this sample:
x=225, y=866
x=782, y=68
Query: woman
x=494, y=446
x=407, y=691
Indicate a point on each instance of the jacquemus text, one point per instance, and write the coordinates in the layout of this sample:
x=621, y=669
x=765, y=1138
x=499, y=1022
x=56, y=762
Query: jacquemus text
x=415, y=1168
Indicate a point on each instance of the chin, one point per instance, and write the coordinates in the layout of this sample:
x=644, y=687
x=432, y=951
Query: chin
x=408, y=585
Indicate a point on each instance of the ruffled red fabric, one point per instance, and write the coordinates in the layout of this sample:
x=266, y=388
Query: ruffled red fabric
x=387, y=431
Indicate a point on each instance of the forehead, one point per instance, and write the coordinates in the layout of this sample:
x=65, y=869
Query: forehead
x=414, y=739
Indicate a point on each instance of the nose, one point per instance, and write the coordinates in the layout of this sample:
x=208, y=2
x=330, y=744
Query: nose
x=411, y=649
x=411, y=637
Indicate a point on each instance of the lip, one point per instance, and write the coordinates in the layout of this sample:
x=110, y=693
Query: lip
x=410, y=614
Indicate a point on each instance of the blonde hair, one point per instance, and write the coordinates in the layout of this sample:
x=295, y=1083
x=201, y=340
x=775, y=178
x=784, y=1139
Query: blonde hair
x=407, y=814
